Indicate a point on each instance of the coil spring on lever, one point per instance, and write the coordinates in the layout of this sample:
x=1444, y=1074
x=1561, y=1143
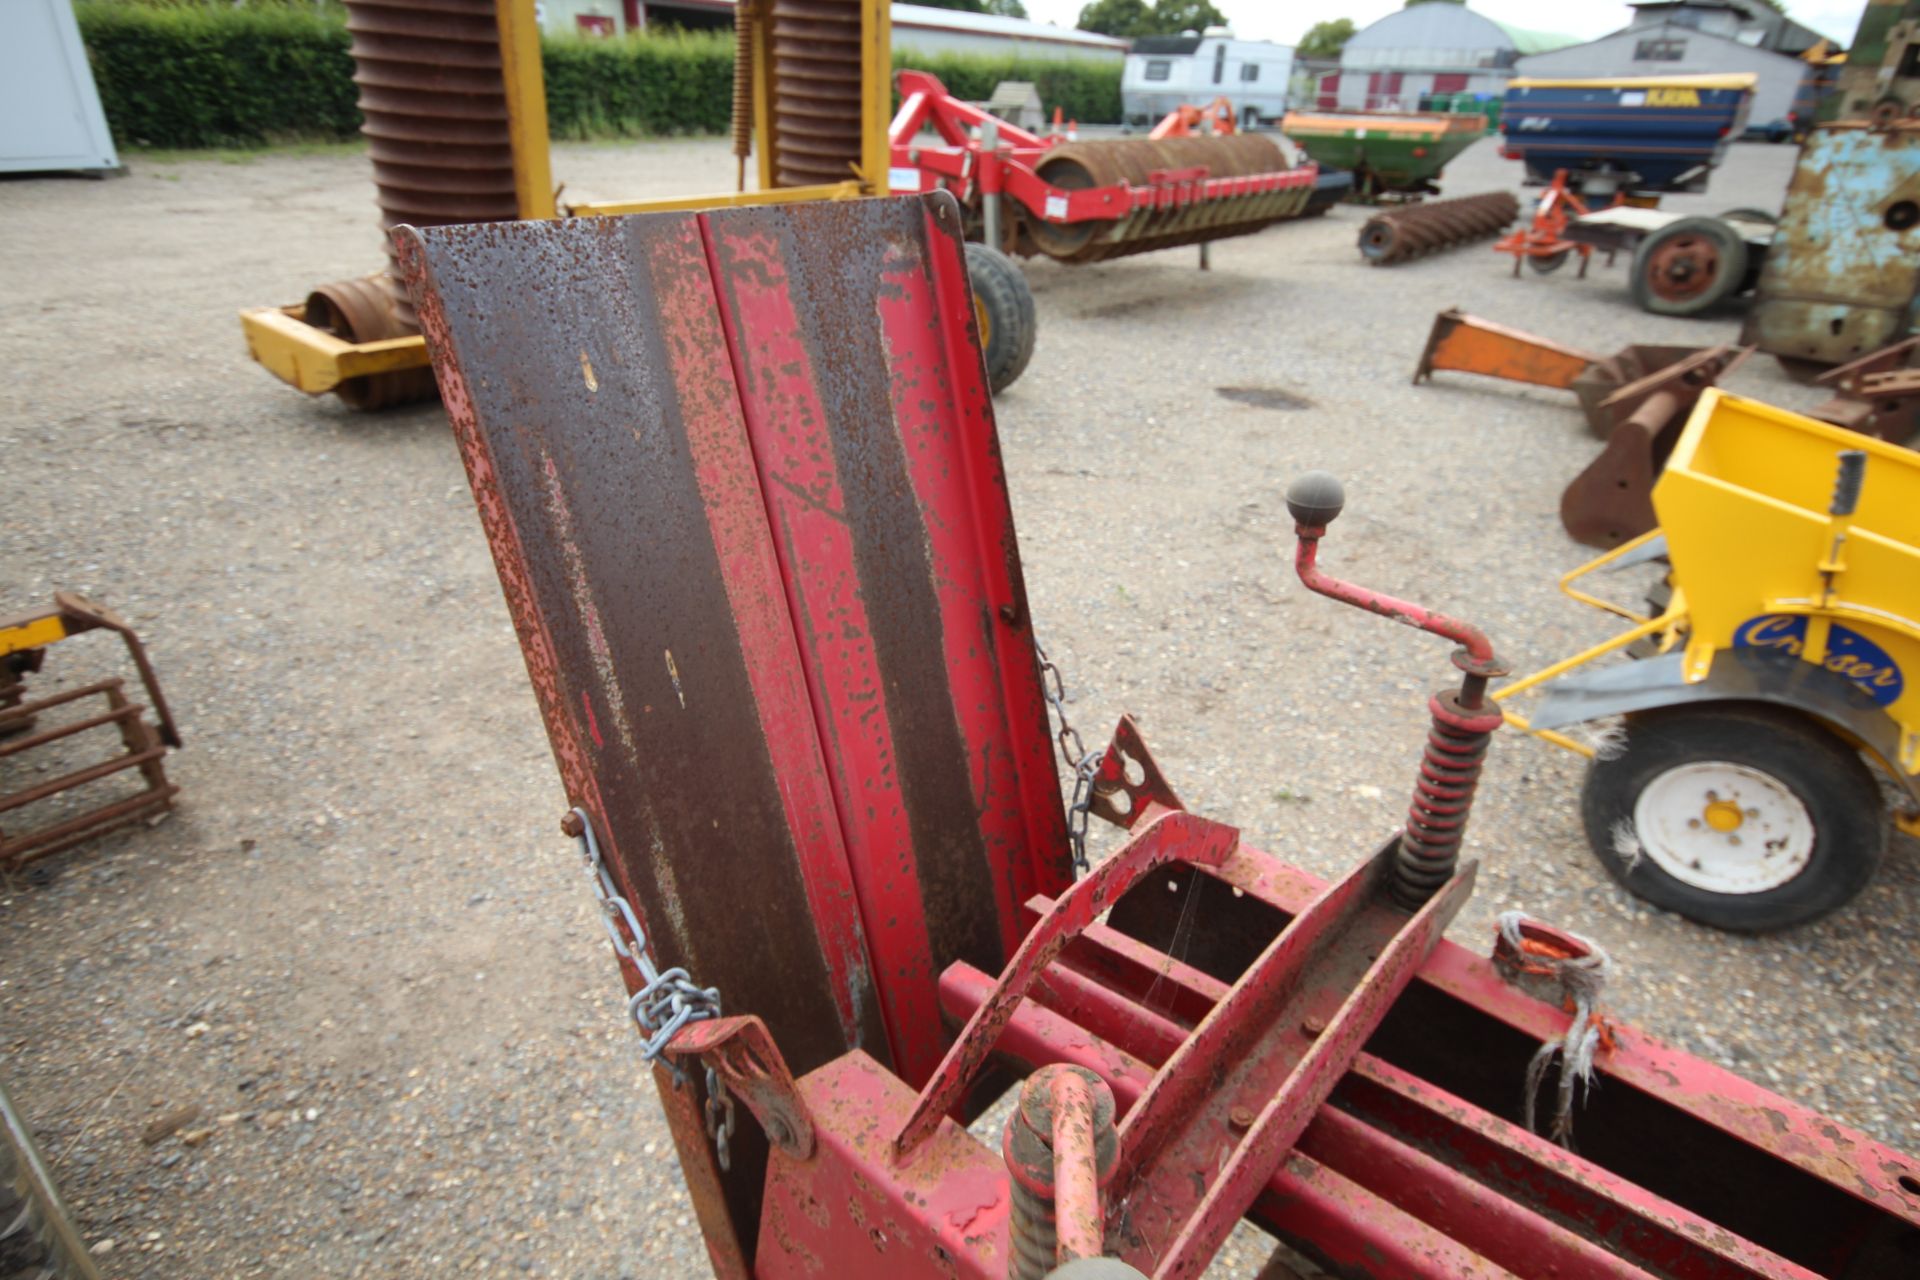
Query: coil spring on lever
x=1442, y=798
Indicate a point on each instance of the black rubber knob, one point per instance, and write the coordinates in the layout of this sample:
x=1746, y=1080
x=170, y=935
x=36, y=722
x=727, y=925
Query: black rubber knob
x=1316, y=497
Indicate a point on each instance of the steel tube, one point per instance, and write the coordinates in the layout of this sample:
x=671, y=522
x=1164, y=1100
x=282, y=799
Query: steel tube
x=1078, y=1220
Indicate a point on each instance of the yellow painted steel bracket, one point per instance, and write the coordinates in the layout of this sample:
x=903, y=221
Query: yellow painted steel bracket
x=314, y=360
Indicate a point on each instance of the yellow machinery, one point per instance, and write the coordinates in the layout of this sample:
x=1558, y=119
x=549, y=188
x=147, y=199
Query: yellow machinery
x=23, y=645
x=1735, y=791
x=456, y=126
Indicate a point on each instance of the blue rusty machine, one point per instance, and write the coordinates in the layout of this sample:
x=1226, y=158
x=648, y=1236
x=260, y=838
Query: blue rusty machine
x=1842, y=276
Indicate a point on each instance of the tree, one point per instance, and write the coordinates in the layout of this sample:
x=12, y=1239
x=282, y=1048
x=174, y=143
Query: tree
x=970, y=6
x=1006, y=8
x=1325, y=39
x=1171, y=17
x=1123, y=18
x=1130, y=18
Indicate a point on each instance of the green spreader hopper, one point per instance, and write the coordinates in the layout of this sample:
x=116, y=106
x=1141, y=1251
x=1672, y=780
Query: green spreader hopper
x=1398, y=153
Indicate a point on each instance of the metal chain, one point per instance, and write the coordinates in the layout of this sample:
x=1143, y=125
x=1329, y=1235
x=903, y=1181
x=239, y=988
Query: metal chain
x=719, y=1117
x=1081, y=762
x=666, y=1001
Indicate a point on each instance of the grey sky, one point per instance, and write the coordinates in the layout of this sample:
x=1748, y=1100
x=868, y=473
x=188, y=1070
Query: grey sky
x=1286, y=22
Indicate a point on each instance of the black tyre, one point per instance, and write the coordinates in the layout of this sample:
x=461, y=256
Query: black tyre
x=1003, y=311
x=1548, y=263
x=1688, y=267
x=1735, y=814
x=1746, y=213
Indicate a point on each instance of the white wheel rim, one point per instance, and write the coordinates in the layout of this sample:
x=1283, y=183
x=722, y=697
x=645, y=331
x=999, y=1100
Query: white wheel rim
x=1724, y=827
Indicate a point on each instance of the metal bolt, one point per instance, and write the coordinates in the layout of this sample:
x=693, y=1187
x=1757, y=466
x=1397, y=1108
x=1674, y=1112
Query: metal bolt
x=571, y=826
x=1312, y=1027
x=1240, y=1119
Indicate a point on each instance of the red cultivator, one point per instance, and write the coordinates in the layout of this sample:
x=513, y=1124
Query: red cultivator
x=741, y=481
x=1087, y=201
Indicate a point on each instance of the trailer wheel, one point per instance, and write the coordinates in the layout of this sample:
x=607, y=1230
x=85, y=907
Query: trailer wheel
x=1738, y=815
x=1003, y=312
x=1688, y=267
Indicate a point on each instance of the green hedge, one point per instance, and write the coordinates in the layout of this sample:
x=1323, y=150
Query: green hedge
x=1085, y=91
x=639, y=86
x=195, y=76
x=188, y=74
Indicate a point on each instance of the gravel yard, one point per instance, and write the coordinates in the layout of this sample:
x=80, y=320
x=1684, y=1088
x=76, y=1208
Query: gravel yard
x=362, y=950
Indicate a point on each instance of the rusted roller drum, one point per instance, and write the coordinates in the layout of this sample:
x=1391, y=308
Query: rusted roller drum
x=1395, y=235
x=362, y=310
x=434, y=112
x=816, y=90
x=1079, y=166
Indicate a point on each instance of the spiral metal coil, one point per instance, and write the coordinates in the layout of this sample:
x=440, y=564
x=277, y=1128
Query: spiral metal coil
x=1080, y=165
x=816, y=90
x=1442, y=798
x=1396, y=235
x=433, y=102
x=742, y=87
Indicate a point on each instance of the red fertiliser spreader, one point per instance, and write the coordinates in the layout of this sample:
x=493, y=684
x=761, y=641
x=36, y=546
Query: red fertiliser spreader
x=741, y=481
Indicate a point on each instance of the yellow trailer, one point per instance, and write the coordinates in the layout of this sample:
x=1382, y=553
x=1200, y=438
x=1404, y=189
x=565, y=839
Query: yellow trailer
x=1772, y=681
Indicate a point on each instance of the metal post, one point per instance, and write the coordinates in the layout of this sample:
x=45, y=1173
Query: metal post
x=990, y=181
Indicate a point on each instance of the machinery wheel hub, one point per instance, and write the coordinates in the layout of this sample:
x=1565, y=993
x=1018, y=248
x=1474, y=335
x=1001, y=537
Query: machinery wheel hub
x=1724, y=827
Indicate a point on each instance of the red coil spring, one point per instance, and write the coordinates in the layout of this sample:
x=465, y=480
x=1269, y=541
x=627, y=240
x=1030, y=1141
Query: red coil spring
x=1442, y=799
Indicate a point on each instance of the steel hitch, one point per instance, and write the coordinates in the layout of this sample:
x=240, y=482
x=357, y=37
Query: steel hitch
x=1463, y=719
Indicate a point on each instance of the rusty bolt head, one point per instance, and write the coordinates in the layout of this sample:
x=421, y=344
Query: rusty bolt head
x=1240, y=1119
x=1312, y=1027
x=571, y=825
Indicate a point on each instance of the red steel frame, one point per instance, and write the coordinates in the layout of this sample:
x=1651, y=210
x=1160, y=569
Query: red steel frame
x=962, y=165
x=1313, y=1056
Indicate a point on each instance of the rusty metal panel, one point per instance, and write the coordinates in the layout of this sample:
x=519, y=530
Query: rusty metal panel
x=872, y=428
x=1842, y=273
x=740, y=475
x=607, y=454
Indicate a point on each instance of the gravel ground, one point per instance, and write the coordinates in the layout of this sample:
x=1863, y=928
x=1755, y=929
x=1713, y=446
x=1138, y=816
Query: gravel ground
x=361, y=950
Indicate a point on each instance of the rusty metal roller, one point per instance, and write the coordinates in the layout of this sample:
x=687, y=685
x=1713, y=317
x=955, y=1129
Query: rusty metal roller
x=1395, y=235
x=1081, y=165
x=816, y=90
x=434, y=106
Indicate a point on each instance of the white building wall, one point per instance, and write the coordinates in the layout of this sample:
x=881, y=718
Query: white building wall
x=1703, y=54
x=930, y=36
x=1191, y=79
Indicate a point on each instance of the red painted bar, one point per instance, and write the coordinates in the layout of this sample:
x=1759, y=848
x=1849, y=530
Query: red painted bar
x=798, y=474
x=716, y=434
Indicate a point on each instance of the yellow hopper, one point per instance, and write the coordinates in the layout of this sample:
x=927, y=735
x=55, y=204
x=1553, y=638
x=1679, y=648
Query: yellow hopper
x=1779, y=658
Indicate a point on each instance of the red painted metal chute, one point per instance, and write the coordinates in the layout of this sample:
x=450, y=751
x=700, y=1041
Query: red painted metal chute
x=740, y=477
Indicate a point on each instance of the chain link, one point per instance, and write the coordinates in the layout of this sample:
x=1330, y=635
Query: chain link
x=1081, y=762
x=719, y=1117
x=666, y=1001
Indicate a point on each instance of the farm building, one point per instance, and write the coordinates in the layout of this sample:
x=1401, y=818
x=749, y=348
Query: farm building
x=915, y=27
x=1430, y=48
x=1698, y=37
x=1164, y=71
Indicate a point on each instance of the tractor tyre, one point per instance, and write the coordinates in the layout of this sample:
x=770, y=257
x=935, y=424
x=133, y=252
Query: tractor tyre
x=1738, y=815
x=1688, y=267
x=1003, y=312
